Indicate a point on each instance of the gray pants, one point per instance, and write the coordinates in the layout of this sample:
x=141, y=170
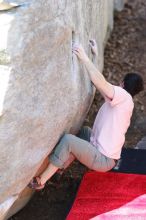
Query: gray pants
x=79, y=147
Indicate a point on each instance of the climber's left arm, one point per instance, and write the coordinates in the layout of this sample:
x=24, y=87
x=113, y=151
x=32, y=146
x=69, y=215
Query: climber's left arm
x=102, y=85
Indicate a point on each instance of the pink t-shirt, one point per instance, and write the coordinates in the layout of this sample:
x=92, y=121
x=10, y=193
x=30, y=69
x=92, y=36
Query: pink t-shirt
x=112, y=122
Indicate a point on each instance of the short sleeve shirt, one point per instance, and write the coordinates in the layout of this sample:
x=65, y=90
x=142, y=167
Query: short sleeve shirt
x=112, y=122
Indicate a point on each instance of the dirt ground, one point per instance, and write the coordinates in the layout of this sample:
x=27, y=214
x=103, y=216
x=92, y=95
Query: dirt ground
x=125, y=52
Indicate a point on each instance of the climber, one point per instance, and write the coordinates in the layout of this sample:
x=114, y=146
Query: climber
x=98, y=148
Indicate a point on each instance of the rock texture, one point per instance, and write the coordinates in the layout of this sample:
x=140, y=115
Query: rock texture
x=43, y=90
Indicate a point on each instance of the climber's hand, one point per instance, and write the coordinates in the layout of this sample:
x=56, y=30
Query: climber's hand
x=80, y=52
x=93, y=46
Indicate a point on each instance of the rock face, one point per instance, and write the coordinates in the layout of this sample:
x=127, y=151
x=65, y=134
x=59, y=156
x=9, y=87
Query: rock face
x=43, y=90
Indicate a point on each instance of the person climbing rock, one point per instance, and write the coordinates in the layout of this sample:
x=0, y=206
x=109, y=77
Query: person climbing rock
x=98, y=148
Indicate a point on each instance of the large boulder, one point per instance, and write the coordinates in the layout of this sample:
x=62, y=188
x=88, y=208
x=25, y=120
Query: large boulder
x=44, y=91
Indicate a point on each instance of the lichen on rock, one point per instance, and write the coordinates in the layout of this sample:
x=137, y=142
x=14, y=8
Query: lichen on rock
x=4, y=58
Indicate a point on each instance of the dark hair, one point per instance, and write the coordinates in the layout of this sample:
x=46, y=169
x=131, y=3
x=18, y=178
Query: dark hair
x=133, y=83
